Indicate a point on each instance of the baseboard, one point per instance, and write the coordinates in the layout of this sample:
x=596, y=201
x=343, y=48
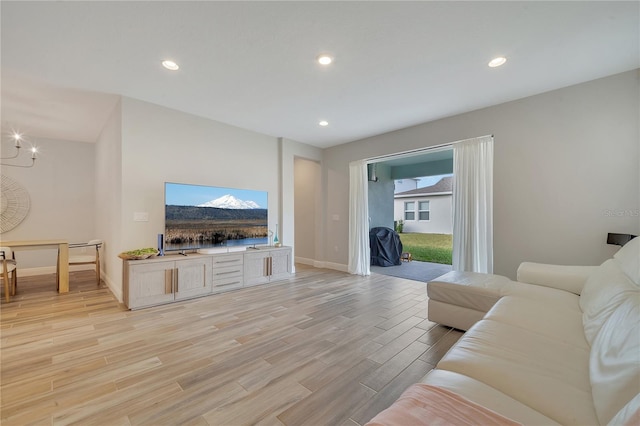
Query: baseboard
x=117, y=292
x=307, y=261
x=336, y=266
x=320, y=264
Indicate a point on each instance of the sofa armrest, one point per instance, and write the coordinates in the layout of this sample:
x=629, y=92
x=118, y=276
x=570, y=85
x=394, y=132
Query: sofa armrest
x=568, y=278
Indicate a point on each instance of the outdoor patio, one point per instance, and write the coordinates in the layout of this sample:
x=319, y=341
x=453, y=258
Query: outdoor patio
x=414, y=270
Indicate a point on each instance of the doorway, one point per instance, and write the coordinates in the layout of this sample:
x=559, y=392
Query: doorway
x=307, y=211
x=412, y=194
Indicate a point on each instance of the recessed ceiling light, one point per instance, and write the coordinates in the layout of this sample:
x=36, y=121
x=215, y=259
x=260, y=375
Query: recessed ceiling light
x=170, y=65
x=324, y=59
x=323, y=123
x=496, y=62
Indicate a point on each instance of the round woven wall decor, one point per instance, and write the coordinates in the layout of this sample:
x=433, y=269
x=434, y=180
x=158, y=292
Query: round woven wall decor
x=15, y=203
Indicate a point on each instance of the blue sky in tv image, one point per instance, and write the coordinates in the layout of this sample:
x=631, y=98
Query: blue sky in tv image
x=179, y=194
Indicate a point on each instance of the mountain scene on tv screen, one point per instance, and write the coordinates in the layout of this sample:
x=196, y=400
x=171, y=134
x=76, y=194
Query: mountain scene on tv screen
x=223, y=220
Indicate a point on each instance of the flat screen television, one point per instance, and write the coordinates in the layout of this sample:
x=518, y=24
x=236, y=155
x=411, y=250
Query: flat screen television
x=198, y=216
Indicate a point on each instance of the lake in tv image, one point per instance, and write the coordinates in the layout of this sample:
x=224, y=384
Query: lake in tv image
x=198, y=216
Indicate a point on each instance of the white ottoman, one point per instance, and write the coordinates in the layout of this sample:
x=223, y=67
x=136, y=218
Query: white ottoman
x=460, y=299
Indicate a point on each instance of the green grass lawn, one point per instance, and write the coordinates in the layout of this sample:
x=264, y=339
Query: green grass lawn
x=434, y=248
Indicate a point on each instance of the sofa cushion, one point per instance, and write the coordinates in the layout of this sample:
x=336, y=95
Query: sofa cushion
x=480, y=292
x=562, y=277
x=614, y=366
x=605, y=289
x=628, y=257
x=468, y=289
x=548, y=375
x=555, y=318
x=567, y=299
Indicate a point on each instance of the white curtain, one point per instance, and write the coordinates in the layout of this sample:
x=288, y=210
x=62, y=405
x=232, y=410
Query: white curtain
x=473, y=205
x=359, y=252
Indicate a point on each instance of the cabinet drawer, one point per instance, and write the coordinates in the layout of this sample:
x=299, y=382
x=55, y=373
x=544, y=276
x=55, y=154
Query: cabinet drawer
x=229, y=260
x=228, y=283
x=227, y=272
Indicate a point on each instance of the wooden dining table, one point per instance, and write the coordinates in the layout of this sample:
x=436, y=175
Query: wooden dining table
x=63, y=256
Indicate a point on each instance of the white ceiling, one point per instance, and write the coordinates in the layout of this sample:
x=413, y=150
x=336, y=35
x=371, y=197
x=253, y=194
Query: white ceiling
x=252, y=64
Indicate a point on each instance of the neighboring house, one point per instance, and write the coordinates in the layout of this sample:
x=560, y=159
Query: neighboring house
x=403, y=185
x=426, y=210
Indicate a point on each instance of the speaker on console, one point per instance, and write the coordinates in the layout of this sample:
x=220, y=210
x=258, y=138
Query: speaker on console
x=160, y=244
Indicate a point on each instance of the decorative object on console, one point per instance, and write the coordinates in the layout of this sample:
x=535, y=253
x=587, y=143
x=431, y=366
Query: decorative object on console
x=17, y=144
x=276, y=241
x=160, y=244
x=138, y=254
x=15, y=203
x=619, y=239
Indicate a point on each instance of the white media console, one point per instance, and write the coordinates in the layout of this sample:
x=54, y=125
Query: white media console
x=166, y=279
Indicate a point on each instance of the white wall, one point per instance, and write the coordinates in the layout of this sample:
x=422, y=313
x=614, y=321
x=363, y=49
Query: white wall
x=60, y=187
x=440, y=214
x=160, y=144
x=566, y=169
x=108, y=193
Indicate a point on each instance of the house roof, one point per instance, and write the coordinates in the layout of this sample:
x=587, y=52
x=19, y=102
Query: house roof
x=442, y=187
x=252, y=64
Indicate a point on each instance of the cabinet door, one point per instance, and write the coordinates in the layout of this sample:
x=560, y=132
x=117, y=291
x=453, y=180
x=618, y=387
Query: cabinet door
x=280, y=264
x=256, y=268
x=192, y=278
x=150, y=284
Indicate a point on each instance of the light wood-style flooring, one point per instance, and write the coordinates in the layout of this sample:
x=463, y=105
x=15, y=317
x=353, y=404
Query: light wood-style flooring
x=323, y=348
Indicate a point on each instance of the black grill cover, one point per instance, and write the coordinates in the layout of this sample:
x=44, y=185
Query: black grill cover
x=386, y=247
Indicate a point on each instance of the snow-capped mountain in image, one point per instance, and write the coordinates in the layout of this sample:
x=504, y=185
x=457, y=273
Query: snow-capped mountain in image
x=230, y=202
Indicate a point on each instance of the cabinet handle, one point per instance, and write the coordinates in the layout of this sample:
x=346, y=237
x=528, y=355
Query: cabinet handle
x=176, y=279
x=227, y=261
x=227, y=273
x=168, y=281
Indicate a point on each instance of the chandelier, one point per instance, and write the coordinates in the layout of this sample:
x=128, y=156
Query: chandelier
x=17, y=144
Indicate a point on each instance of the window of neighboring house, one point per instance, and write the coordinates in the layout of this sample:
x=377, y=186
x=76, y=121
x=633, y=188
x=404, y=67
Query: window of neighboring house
x=423, y=210
x=409, y=210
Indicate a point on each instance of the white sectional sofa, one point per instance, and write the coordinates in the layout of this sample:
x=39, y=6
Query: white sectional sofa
x=560, y=346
